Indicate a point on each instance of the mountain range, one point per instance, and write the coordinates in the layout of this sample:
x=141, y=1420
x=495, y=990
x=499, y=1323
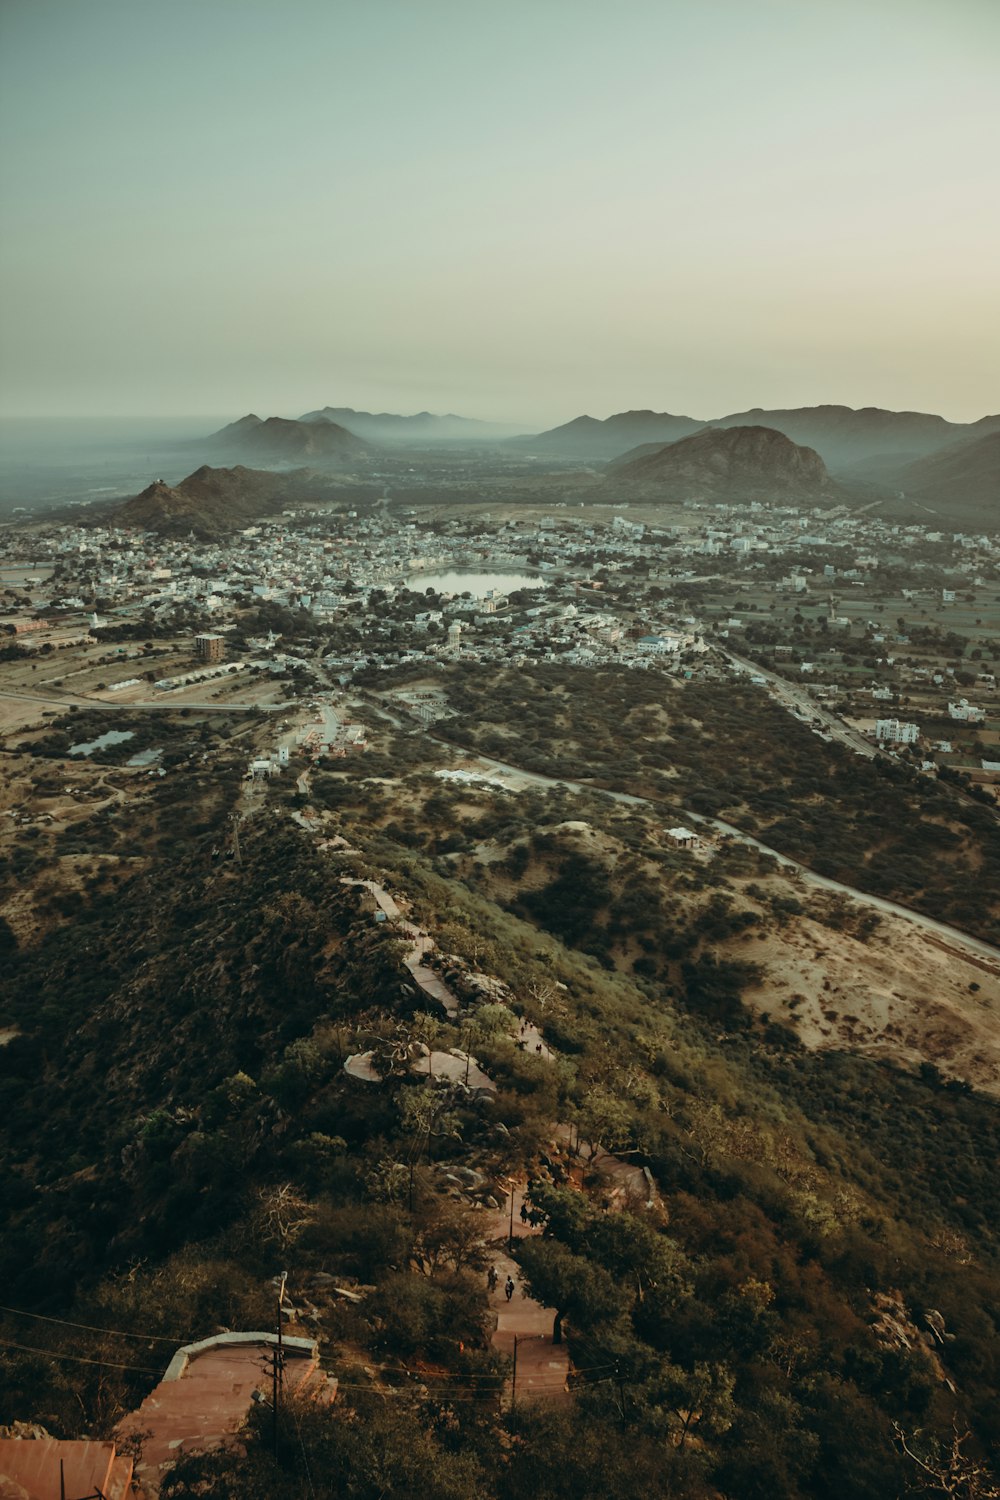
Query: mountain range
x=422, y=427
x=589, y=437
x=915, y=461
x=869, y=441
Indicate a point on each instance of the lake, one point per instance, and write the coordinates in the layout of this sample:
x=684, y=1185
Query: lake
x=467, y=581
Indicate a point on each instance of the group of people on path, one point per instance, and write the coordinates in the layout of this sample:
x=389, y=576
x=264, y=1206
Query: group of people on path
x=524, y=1036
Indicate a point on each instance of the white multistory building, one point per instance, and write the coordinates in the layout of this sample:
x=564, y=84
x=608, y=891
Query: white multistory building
x=896, y=732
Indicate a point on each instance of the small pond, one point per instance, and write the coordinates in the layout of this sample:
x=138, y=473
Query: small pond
x=109, y=737
x=468, y=581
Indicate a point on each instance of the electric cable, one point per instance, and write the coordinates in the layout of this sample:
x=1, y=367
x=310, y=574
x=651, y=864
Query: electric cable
x=162, y=1338
x=77, y=1359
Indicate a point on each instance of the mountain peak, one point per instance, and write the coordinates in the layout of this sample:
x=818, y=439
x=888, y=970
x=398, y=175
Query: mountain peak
x=277, y=438
x=212, y=501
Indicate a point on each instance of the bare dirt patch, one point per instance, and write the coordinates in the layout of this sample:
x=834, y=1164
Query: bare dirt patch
x=901, y=995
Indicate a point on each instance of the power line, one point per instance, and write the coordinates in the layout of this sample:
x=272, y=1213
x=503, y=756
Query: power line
x=161, y=1338
x=462, y=1382
x=471, y=1394
x=78, y=1359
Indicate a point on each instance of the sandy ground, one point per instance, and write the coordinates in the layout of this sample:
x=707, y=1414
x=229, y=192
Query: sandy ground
x=902, y=995
x=22, y=713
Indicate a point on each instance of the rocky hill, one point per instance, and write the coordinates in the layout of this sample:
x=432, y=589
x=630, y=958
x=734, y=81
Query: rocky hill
x=739, y=463
x=961, y=482
x=211, y=502
x=278, y=438
x=591, y=438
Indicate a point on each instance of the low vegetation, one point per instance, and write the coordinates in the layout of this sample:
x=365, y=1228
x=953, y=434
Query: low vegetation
x=177, y=1126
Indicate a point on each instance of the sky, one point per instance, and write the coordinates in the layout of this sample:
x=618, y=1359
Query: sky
x=520, y=211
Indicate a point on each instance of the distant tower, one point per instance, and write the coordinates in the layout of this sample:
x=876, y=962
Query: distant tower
x=454, y=636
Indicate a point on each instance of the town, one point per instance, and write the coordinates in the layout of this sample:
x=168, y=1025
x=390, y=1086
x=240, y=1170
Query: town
x=887, y=635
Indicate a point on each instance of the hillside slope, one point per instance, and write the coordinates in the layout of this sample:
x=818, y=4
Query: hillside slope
x=961, y=482
x=844, y=436
x=791, y=1193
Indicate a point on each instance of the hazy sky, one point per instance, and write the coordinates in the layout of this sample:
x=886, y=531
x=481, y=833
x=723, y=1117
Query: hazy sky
x=523, y=209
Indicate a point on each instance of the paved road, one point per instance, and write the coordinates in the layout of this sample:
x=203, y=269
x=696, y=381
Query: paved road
x=891, y=908
x=953, y=935
x=798, y=699
x=163, y=705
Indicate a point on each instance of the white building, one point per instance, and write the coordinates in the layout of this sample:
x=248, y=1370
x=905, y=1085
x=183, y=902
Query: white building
x=965, y=713
x=658, y=645
x=895, y=732
x=684, y=838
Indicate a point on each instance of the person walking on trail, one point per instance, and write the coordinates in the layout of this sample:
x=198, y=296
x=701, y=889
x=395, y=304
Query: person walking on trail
x=492, y=1278
x=524, y=1213
x=509, y=1288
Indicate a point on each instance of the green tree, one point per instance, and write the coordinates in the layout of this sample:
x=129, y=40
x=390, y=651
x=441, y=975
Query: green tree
x=573, y=1285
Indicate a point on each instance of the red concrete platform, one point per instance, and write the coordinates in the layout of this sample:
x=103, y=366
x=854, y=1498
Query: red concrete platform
x=204, y=1397
x=30, y=1469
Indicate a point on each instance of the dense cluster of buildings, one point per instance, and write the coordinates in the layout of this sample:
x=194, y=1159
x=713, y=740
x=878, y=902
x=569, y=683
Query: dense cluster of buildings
x=318, y=597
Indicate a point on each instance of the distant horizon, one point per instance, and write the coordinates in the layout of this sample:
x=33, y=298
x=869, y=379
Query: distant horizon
x=527, y=425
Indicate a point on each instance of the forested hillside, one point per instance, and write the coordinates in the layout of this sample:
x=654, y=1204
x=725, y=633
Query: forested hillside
x=817, y=1276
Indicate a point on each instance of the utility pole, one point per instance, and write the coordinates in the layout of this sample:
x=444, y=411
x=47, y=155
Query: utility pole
x=510, y=1237
x=513, y=1378
x=277, y=1367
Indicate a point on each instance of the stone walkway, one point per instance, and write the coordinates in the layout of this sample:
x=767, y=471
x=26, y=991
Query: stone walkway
x=423, y=976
